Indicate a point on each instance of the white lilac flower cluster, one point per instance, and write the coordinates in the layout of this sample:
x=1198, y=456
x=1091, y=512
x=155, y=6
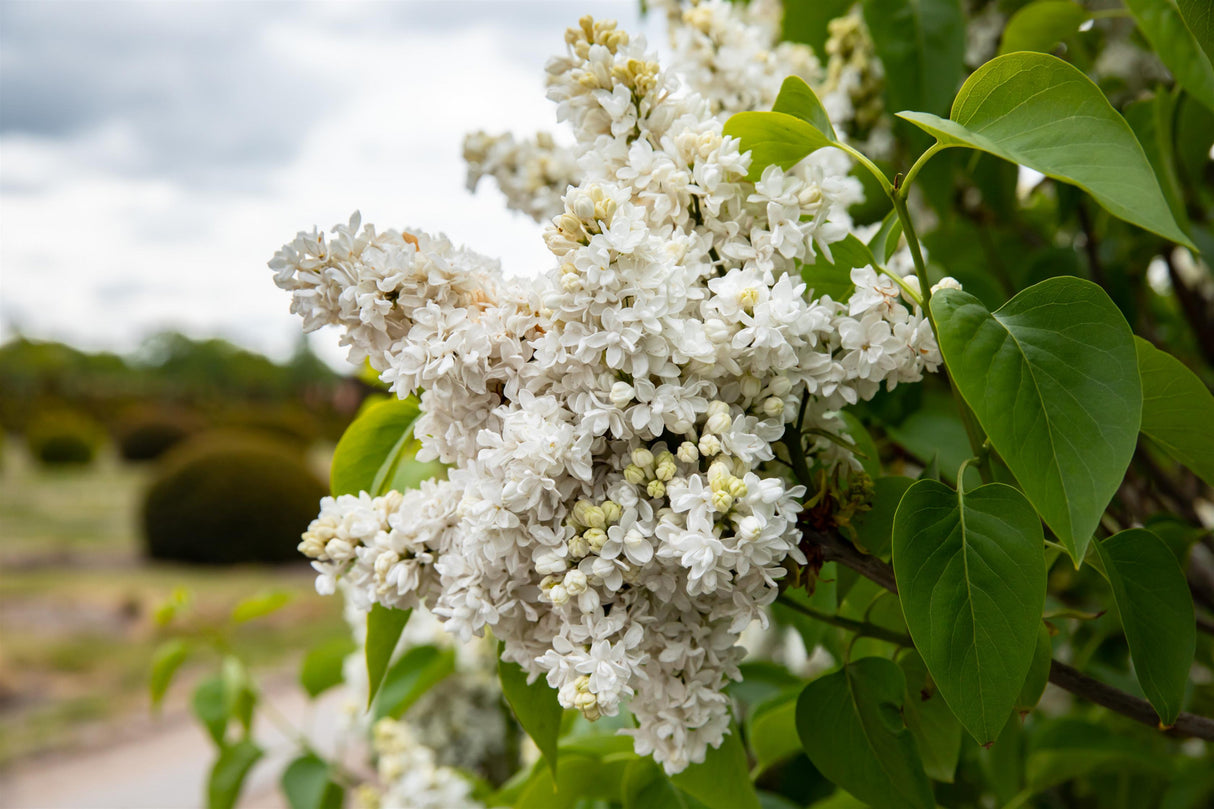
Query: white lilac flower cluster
x=409, y=776
x=614, y=512
x=730, y=54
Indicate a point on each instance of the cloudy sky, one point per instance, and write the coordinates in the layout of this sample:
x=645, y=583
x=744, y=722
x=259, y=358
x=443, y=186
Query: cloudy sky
x=154, y=155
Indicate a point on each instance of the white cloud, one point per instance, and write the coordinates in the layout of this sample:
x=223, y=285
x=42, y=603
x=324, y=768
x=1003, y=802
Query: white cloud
x=158, y=205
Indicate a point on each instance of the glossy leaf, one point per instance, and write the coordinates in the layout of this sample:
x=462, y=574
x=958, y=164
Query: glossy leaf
x=372, y=447
x=1052, y=378
x=307, y=785
x=645, y=786
x=922, y=46
x=971, y=577
x=851, y=727
x=535, y=706
x=166, y=660
x=796, y=98
x=937, y=732
x=1156, y=610
x=774, y=138
x=417, y=671
x=1177, y=410
x=1177, y=47
x=229, y=772
x=384, y=626
x=722, y=780
x=322, y=665
x=1039, y=111
x=260, y=605
x=1040, y=26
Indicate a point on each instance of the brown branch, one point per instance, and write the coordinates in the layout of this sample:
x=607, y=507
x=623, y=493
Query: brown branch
x=830, y=547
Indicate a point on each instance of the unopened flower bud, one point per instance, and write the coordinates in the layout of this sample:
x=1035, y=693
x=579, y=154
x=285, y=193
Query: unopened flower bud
x=578, y=546
x=718, y=471
x=611, y=511
x=575, y=582
x=737, y=487
x=688, y=452
x=595, y=518
x=780, y=386
x=773, y=406
x=656, y=488
x=595, y=538
x=722, y=501
x=751, y=386
x=634, y=474
x=621, y=394
x=946, y=282
x=578, y=513
x=642, y=458
x=558, y=595
x=709, y=445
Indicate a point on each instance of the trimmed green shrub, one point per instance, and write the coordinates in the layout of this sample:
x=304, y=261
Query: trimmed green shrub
x=230, y=497
x=145, y=434
x=62, y=437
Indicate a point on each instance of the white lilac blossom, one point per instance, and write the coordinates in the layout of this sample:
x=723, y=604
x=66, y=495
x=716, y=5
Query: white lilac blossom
x=613, y=511
x=410, y=777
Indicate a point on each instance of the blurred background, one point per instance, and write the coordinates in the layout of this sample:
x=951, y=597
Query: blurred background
x=166, y=427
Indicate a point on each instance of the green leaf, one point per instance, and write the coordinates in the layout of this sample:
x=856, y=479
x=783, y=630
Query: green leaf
x=322, y=665
x=535, y=706
x=873, y=527
x=1156, y=610
x=1177, y=410
x=1039, y=672
x=722, y=780
x=259, y=605
x=824, y=598
x=774, y=138
x=796, y=98
x=384, y=626
x=772, y=731
x=884, y=242
x=1069, y=748
x=307, y=785
x=832, y=276
x=863, y=446
x=1041, y=26
x=1151, y=119
x=808, y=22
x=852, y=730
x=210, y=706
x=1039, y=111
x=937, y=732
x=645, y=786
x=1199, y=17
x=166, y=660
x=922, y=46
x=229, y=772
x=971, y=577
x=1052, y=378
x=1176, y=46
x=418, y=670
x=372, y=447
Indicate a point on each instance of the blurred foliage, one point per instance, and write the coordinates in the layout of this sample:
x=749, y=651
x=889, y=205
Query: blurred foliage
x=226, y=497
x=62, y=436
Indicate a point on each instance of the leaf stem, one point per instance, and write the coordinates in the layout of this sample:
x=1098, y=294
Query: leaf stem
x=932, y=151
x=863, y=628
x=870, y=165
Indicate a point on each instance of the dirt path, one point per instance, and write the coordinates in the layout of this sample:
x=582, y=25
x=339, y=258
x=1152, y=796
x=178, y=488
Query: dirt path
x=167, y=767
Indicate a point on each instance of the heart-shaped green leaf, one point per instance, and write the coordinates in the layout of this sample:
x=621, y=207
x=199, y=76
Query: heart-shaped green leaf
x=1052, y=377
x=1177, y=410
x=774, y=138
x=417, y=671
x=1039, y=111
x=1164, y=26
x=1199, y=17
x=796, y=98
x=1156, y=612
x=971, y=577
x=307, y=784
x=936, y=730
x=851, y=727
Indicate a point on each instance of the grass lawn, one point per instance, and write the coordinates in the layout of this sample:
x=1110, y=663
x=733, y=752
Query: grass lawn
x=77, y=604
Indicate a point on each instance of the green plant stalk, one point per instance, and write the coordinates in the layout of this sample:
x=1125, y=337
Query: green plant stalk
x=862, y=628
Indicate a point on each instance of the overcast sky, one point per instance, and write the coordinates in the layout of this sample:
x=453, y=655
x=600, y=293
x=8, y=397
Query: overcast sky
x=153, y=156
